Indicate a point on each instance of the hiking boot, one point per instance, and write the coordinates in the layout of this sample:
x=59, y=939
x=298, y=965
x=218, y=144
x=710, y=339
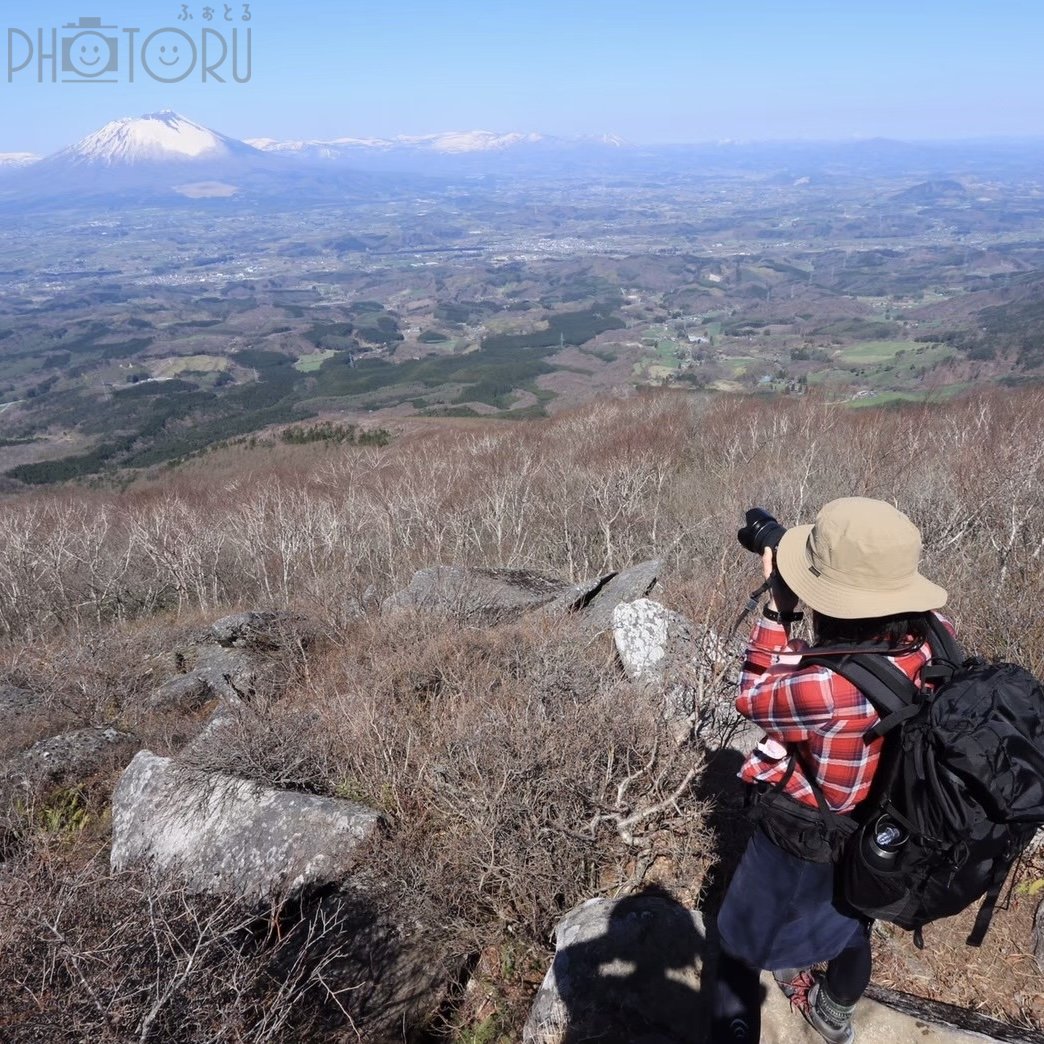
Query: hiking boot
x=794, y=982
x=832, y=1021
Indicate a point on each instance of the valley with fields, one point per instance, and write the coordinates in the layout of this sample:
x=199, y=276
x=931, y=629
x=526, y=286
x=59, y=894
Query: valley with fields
x=133, y=338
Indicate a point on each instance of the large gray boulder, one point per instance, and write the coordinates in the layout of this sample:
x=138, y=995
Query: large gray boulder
x=627, y=585
x=475, y=595
x=625, y=971
x=230, y=836
x=629, y=971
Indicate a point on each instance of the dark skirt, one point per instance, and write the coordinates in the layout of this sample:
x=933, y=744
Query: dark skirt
x=779, y=910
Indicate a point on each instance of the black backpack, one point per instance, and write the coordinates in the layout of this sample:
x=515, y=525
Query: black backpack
x=959, y=790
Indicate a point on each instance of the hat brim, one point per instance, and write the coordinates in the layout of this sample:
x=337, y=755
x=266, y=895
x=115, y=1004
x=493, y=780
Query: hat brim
x=840, y=601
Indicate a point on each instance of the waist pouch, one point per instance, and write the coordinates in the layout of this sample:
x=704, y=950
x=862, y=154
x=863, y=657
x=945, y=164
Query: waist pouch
x=795, y=827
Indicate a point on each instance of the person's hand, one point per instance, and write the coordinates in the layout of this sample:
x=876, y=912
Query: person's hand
x=781, y=598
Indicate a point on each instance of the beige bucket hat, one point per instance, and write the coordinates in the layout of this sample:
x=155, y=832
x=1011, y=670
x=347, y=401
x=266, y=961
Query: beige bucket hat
x=858, y=560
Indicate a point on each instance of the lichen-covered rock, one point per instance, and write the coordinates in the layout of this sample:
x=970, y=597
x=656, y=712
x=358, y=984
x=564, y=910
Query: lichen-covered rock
x=70, y=758
x=640, y=630
x=262, y=630
x=231, y=836
x=212, y=672
x=694, y=666
x=626, y=586
x=475, y=595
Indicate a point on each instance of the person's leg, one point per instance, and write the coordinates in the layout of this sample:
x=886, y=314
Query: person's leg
x=848, y=974
x=831, y=1001
x=736, y=1013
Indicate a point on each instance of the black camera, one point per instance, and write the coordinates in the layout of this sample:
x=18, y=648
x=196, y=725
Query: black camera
x=761, y=531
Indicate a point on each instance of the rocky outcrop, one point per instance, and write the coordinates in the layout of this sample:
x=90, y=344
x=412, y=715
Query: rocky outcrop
x=629, y=971
x=262, y=630
x=485, y=596
x=626, y=586
x=624, y=970
x=225, y=660
x=479, y=595
x=211, y=672
x=230, y=836
x=694, y=667
x=70, y=758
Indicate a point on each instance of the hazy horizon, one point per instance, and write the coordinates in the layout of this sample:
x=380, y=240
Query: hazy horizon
x=986, y=141
x=670, y=73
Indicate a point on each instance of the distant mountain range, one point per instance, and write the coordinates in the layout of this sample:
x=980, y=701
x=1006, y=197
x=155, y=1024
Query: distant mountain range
x=165, y=155
x=17, y=159
x=453, y=143
x=168, y=137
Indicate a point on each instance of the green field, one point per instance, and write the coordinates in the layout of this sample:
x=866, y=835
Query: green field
x=666, y=354
x=830, y=375
x=311, y=362
x=178, y=364
x=876, y=351
x=888, y=398
x=738, y=363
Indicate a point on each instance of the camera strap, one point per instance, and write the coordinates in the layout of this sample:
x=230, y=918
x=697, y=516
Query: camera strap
x=752, y=603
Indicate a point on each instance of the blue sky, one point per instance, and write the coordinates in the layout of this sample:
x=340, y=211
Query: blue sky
x=650, y=71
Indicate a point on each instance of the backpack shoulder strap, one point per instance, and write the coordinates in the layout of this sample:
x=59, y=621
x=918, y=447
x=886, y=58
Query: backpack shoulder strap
x=893, y=694
x=943, y=644
x=998, y=874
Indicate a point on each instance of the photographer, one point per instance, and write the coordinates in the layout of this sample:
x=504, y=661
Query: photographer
x=856, y=569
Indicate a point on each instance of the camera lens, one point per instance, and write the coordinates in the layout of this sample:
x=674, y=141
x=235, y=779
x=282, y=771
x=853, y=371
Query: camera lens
x=761, y=530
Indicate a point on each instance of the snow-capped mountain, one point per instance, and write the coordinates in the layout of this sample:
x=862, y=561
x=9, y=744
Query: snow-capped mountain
x=159, y=137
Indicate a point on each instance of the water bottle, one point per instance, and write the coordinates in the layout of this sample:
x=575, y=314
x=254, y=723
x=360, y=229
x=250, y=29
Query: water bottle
x=882, y=843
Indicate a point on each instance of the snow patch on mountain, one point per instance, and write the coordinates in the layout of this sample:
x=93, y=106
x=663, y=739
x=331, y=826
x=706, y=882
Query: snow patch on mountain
x=452, y=142
x=17, y=159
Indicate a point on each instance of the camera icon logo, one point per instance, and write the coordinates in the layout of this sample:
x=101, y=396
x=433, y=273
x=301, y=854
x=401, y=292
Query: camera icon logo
x=89, y=54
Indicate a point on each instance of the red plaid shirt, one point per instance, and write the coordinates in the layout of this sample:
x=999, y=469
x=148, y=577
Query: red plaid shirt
x=815, y=708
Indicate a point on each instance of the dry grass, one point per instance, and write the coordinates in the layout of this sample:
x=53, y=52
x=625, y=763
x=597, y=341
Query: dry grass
x=517, y=771
x=1000, y=979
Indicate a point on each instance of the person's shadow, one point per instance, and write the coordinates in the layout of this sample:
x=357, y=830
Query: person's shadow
x=626, y=972
x=728, y=823
x=641, y=970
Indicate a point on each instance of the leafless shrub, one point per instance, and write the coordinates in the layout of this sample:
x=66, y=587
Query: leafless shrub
x=87, y=955
x=518, y=771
